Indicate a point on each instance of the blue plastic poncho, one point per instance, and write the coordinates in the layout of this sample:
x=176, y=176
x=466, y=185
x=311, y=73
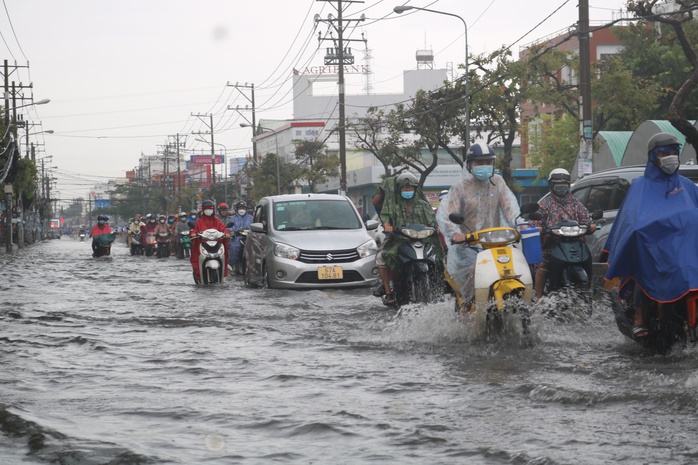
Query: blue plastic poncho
x=653, y=239
x=483, y=204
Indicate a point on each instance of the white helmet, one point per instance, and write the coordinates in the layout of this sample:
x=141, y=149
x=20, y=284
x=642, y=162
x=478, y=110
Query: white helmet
x=559, y=175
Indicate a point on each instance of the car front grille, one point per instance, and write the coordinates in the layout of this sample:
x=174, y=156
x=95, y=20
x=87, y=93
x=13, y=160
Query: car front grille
x=310, y=277
x=328, y=257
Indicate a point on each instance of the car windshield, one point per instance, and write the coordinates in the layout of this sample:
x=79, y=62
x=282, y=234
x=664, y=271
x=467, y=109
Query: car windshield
x=309, y=214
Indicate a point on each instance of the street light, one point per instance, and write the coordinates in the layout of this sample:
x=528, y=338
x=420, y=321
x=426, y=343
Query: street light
x=48, y=131
x=276, y=141
x=401, y=9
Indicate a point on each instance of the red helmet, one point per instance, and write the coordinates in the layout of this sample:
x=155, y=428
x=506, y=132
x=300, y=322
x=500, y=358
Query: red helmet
x=223, y=206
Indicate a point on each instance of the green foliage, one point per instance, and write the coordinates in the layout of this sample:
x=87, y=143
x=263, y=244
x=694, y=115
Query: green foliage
x=25, y=181
x=315, y=163
x=554, y=143
x=660, y=61
x=263, y=176
x=623, y=100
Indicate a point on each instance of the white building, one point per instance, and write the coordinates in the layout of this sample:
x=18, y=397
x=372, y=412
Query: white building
x=315, y=115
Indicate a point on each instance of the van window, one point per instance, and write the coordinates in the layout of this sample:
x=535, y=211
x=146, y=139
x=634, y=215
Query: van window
x=315, y=214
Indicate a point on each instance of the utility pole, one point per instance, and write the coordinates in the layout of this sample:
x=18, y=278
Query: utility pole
x=585, y=165
x=213, y=153
x=252, y=123
x=340, y=56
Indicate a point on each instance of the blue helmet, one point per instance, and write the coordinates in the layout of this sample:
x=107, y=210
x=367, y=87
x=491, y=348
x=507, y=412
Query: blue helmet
x=479, y=151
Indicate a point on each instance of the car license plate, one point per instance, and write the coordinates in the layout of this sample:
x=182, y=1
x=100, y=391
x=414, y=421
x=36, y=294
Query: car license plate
x=330, y=272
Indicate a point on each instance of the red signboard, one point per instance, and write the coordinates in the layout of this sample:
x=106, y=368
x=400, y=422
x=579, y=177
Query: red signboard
x=204, y=159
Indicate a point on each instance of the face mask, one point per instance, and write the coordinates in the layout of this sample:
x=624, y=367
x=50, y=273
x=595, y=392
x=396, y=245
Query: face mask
x=100, y=222
x=407, y=195
x=561, y=189
x=162, y=221
x=242, y=212
x=208, y=212
x=183, y=219
x=153, y=220
x=193, y=217
x=484, y=172
x=669, y=164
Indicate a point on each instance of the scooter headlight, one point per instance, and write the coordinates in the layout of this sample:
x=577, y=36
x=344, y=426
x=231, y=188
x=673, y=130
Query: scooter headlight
x=419, y=235
x=500, y=236
x=286, y=251
x=570, y=231
x=367, y=249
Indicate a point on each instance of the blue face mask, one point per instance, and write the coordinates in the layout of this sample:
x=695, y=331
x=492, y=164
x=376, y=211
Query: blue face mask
x=407, y=195
x=484, y=172
x=100, y=222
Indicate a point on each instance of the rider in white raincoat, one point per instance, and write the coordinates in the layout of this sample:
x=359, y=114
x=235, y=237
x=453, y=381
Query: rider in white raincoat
x=485, y=201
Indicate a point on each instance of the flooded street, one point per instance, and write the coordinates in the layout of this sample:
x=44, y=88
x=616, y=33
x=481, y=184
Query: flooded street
x=126, y=361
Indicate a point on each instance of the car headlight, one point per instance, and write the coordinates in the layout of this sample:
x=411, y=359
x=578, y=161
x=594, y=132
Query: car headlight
x=500, y=236
x=286, y=251
x=367, y=249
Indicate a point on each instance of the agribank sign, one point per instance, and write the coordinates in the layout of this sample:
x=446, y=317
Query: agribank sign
x=333, y=69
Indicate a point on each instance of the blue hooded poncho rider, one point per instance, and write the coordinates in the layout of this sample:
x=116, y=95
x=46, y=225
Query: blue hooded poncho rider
x=653, y=239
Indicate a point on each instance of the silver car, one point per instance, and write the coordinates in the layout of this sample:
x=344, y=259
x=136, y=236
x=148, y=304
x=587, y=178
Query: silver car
x=303, y=241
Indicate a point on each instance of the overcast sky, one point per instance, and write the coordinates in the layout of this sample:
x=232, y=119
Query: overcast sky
x=124, y=75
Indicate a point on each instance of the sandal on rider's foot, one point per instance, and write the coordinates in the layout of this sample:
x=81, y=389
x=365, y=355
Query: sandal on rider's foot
x=640, y=331
x=389, y=299
x=379, y=291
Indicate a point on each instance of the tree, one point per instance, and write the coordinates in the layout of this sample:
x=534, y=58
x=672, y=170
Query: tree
x=372, y=133
x=623, y=100
x=263, y=175
x=554, y=143
x=682, y=32
x=315, y=163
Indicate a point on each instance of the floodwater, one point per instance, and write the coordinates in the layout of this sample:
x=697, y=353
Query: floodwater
x=125, y=361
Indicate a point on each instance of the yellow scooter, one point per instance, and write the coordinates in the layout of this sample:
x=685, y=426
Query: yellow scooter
x=502, y=279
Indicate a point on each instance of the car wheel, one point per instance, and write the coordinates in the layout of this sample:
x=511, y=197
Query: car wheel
x=265, y=277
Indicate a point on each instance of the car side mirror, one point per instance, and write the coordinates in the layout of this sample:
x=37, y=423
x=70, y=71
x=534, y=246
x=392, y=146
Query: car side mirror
x=372, y=224
x=257, y=227
x=597, y=214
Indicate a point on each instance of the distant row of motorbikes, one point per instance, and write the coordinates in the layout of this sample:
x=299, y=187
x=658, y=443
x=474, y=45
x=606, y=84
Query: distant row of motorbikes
x=211, y=248
x=159, y=244
x=503, y=283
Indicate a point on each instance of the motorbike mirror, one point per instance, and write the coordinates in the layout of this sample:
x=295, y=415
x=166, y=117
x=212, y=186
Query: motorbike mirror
x=597, y=214
x=230, y=224
x=528, y=208
x=535, y=216
x=456, y=218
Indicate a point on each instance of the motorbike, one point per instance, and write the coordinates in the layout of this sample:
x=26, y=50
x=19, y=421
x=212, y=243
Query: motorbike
x=212, y=256
x=82, y=237
x=570, y=264
x=150, y=244
x=669, y=324
x=136, y=246
x=104, y=242
x=163, y=244
x=418, y=279
x=184, y=245
x=503, y=282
